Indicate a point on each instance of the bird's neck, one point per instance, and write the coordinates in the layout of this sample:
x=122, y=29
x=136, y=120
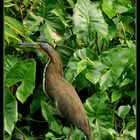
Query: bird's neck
x=55, y=63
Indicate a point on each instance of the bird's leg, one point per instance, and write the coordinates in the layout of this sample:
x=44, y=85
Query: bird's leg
x=71, y=132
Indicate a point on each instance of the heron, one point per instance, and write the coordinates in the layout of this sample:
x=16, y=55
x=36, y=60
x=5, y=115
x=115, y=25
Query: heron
x=60, y=90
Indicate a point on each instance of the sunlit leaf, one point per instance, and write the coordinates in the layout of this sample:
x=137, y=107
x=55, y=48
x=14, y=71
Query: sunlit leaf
x=14, y=24
x=87, y=19
x=108, y=8
x=123, y=111
x=133, y=133
x=134, y=109
x=9, y=33
x=8, y=3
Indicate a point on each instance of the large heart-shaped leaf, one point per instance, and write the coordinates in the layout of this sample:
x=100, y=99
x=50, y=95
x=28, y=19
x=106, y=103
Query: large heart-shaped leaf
x=21, y=71
x=87, y=19
x=97, y=110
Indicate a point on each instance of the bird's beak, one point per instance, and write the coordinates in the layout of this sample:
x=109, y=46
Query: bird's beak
x=29, y=44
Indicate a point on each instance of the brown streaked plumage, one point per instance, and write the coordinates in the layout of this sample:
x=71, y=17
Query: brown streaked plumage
x=62, y=92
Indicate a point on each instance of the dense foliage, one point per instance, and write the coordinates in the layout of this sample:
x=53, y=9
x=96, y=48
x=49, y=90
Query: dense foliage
x=96, y=41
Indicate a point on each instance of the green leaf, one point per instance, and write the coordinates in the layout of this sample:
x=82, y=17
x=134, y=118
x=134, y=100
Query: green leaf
x=108, y=8
x=32, y=22
x=60, y=11
x=116, y=95
x=14, y=24
x=8, y=3
x=123, y=111
x=125, y=82
x=22, y=71
x=84, y=59
x=65, y=53
x=102, y=134
x=111, y=7
x=132, y=53
x=30, y=138
x=112, y=29
x=52, y=108
x=81, y=66
x=134, y=109
x=97, y=110
x=131, y=124
x=77, y=135
x=81, y=85
x=53, y=124
x=115, y=56
x=26, y=2
x=44, y=19
x=49, y=32
x=94, y=70
x=127, y=19
x=36, y=99
x=51, y=136
x=9, y=33
x=10, y=111
x=87, y=19
x=132, y=94
x=133, y=133
x=71, y=3
x=115, y=60
x=9, y=62
x=122, y=6
x=7, y=136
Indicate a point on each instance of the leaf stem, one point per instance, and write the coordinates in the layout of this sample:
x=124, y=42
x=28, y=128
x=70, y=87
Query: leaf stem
x=34, y=120
x=123, y=126
x=19, y=131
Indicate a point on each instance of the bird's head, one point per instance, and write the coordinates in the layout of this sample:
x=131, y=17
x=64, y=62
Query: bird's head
x=43, y=46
